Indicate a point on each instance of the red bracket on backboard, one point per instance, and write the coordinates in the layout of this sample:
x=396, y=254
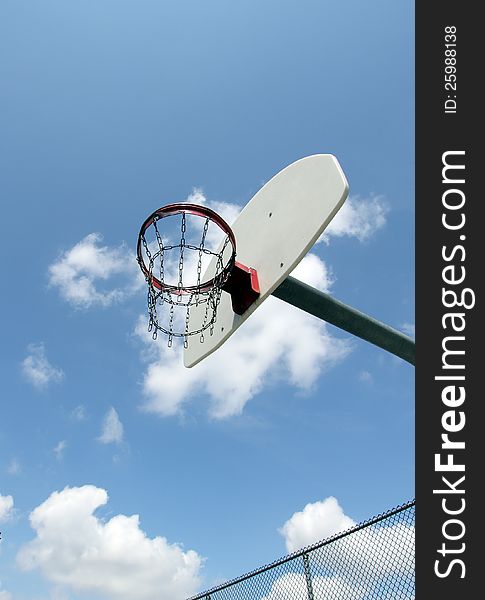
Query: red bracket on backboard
x=243, y=285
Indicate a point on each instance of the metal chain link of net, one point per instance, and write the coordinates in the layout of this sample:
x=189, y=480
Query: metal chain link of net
x=371, y=561
x=179, y=298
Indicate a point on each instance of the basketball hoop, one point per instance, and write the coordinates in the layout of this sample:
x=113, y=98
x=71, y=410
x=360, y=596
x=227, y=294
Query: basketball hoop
x=187, y=254
x=176, y=244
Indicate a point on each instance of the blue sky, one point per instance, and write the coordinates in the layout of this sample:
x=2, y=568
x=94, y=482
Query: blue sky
x=109, y=110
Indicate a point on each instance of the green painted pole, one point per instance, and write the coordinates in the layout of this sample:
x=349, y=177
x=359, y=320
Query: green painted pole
x=345, y=317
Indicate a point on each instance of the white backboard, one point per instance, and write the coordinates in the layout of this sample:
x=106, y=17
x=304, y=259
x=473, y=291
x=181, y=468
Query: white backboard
x=273, y=233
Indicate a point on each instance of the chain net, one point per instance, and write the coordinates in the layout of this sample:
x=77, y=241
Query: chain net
x=371, y=561
x=174, y=268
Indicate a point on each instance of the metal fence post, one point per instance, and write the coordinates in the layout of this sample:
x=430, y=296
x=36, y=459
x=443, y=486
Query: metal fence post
x=308, y=577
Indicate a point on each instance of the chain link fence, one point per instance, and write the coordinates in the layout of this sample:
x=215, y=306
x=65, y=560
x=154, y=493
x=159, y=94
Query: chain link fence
x=373, y=560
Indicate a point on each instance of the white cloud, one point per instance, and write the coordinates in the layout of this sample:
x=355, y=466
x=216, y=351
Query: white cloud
x=113, y=559
x=38, y=370
x=59, y=449
x=4, y=595
x=228, y=211
x=317, y=521
x=358, y=217
x=241, y=368
x=58, y=593
x=81, y=272
x=6, y=507
x=112, y=428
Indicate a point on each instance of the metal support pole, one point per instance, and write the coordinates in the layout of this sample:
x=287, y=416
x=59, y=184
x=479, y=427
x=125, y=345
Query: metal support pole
x=345, y=317
x=308, y=577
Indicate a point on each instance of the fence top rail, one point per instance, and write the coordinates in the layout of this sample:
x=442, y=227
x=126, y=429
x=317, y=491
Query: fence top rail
x=307, y=549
